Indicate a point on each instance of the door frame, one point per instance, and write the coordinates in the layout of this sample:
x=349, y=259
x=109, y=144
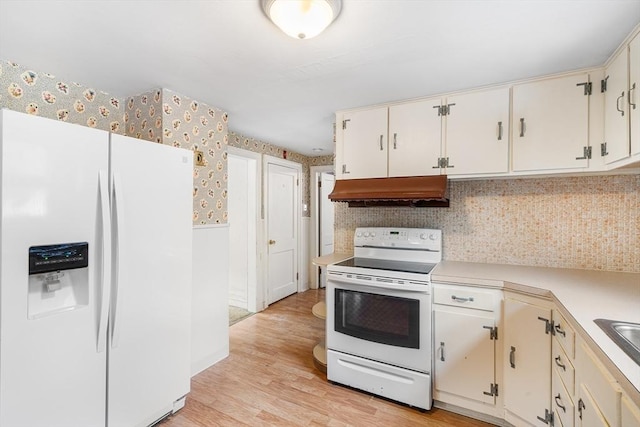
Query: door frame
x=314, y=233
x=256, y=300
x=266, y=160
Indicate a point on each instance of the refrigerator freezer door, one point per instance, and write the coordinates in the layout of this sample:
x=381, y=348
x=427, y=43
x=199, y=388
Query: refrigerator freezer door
x=149, y=359
x=51, y=371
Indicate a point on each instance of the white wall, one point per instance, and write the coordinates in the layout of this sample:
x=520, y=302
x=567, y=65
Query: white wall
x=210, y=310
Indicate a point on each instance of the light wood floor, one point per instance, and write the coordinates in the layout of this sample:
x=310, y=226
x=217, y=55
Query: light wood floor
x=269, y=379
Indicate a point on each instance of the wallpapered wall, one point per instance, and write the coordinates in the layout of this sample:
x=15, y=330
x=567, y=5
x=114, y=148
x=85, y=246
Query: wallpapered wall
x=53, y=97
x=257, y=146
x=569, y=222
x=161, y=116
x=167, y=117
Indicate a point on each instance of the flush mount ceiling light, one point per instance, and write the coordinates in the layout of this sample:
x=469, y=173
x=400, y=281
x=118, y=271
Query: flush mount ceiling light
x=302, y=19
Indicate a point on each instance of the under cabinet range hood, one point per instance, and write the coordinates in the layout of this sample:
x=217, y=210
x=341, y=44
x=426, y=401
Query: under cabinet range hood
x=416, y=191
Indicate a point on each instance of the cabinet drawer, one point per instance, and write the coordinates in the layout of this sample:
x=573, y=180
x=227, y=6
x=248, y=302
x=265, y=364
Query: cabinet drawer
x=460, y=296
x=561, y=401
x=563, y=365
x=599, y=383
x=564, y=334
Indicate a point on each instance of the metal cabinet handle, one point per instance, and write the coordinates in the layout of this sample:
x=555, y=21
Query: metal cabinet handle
x=560, y=331
x=381, y=148
x=581, y=407
x=522, y=127
x=395, y=141
x=558, y=400
x=512, y=357
x=559, y=363
x=499, y=131
x=618, y=104
x=442, y=351
x=461, y=299
x=629, y=96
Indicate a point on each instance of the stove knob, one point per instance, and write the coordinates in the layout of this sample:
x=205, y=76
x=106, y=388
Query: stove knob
x=433, y=237
x=366, y=234
x=423, y=236
x=358, y=234
x=373, y=234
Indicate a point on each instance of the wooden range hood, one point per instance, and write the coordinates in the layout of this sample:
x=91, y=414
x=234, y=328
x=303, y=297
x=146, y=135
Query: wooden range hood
x=416, y=191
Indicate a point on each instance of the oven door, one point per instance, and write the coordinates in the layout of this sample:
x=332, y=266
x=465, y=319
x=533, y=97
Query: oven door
x=387, y=323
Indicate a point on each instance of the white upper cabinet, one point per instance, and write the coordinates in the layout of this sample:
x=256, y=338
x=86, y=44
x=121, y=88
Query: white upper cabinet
x=363, y=150
x=616, y=110
x=633, y=95
x=477, y=133
x=414, y=138
x=550, y=129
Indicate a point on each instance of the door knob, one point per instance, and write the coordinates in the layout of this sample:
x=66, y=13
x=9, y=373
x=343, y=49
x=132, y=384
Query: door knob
x=272, y=242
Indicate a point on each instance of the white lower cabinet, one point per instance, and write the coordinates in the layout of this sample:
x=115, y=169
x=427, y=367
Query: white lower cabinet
x=629, y=413
x=588, y=414
x=527, y=361
x=598, y=390
x=465, y=340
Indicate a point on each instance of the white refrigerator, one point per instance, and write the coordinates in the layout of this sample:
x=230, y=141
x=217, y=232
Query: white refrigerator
x=95, y=276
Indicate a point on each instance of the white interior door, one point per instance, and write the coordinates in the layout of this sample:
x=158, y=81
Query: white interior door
x=327, y=181
x=241, y=230
x=282, y=215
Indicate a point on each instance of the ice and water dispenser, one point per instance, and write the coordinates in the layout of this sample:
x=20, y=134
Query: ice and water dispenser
x=58, y=278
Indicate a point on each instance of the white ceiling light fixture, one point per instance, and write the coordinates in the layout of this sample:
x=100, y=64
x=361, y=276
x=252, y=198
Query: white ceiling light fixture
x=302, y=19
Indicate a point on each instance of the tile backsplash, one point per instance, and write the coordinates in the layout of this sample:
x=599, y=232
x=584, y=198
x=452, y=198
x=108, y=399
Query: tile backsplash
x=569, y=222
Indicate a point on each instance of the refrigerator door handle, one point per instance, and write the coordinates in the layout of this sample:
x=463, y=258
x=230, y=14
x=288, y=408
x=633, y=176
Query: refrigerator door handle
x=103, y=283
x=118, y=256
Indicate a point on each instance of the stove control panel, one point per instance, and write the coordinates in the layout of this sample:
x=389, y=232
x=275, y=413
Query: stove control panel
x=400, y=238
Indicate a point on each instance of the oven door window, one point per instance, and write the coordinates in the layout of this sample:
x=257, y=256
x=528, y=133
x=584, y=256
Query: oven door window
x=378, y=318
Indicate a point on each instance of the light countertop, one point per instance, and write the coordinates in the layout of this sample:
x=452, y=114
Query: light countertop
x=581, y=296
x=332, y=258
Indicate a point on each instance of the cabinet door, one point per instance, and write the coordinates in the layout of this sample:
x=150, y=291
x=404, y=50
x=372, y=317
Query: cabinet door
x=465, y=353
x=414, y=138
x=364, y=144
x=550, y=124
x=477, y=133
x=527, y=372
x=588, y=414
x=616, y=125
x=629, y=413
x=633, y=95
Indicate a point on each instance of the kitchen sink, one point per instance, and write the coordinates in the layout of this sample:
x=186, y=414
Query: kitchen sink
x=625, y=334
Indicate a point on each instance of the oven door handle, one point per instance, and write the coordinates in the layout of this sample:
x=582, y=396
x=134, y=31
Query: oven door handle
x=379, y=282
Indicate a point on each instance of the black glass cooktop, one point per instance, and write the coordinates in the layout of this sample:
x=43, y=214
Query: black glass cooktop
x=385, y=264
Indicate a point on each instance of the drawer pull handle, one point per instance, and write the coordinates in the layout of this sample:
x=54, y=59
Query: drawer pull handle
x=512, y=357
x=460, y=299
x=442, y=351
x=564, y=368
x=560, y=331
x=559, y=404
x=581, y=407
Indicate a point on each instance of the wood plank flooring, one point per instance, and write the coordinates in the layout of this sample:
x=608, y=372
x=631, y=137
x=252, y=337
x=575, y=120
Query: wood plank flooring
x=269, y=379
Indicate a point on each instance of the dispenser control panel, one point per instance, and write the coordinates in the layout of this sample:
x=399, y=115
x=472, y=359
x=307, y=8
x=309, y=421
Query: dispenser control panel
x=64, y=256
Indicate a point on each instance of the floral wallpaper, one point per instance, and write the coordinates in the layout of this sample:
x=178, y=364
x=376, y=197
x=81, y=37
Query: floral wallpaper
x=46, y=95
x=257, y=146
x=166, y=117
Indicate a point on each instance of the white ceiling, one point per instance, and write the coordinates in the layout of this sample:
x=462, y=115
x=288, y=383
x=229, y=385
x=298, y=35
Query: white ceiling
x=285, y=91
